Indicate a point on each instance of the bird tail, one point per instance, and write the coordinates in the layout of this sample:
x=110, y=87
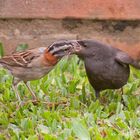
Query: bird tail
x=62, y=48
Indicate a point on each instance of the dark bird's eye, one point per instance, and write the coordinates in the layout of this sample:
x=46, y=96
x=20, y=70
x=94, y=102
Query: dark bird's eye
x=82, y=43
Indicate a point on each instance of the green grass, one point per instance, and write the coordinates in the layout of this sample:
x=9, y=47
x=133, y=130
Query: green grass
x=79, y=117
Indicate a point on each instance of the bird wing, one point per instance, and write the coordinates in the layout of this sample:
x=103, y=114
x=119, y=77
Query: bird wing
x=124, y=58
x=21, y=59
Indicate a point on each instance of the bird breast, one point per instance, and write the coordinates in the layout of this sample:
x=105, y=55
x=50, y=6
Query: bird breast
x=106, y=74
x=28, y=74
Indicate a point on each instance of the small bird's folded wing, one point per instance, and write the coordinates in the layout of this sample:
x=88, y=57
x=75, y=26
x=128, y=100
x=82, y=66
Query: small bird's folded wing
x=19, y=59
x=124, y=58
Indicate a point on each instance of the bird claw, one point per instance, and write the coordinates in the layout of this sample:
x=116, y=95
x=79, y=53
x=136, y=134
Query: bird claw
x=55, y=104
x=35, y=101
x=46, y=103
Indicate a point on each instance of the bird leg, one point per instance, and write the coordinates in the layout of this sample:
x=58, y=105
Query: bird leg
x=97, y=94
x=122, y=101
x=14, y=87
x=31, y=91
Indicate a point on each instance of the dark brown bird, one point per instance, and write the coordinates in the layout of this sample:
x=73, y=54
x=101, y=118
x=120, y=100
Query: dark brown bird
x=35, y=63
x=106, y=67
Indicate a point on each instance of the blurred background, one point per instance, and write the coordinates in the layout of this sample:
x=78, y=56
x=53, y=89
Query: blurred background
x=40, y=22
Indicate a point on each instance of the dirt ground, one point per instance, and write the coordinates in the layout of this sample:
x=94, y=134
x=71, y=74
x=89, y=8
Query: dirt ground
x=36, y=33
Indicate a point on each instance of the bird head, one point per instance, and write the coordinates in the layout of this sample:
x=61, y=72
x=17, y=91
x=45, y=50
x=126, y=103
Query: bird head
x=63, y=48
x=83, y=48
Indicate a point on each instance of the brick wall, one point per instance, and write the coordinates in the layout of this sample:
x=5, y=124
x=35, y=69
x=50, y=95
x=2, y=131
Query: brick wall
x=40, y=22
x=87, y=9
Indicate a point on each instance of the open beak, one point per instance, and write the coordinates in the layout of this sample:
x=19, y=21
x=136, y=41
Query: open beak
x=75, y=47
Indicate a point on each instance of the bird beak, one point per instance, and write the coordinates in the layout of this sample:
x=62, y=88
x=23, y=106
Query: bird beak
x=75, y=47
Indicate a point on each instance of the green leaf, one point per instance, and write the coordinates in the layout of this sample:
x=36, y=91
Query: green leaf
x=21, y=47
x=33, y=137
x=43, y=129
x=1, y=50
x=80, y=130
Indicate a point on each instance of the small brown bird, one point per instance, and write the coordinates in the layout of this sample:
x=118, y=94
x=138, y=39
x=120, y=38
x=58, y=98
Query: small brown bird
x=106, y=67
x=35, y=63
